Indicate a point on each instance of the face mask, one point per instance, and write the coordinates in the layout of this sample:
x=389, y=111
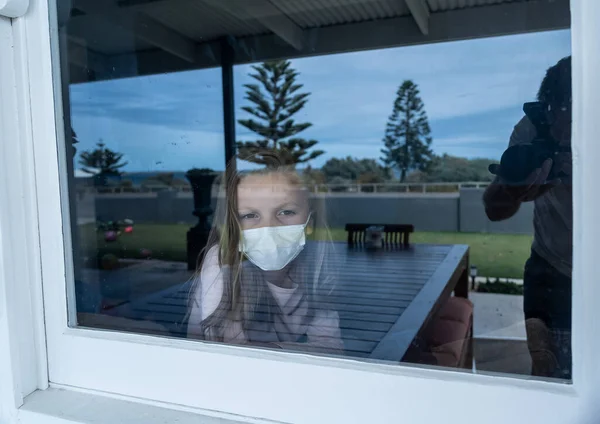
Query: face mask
x=272, y=248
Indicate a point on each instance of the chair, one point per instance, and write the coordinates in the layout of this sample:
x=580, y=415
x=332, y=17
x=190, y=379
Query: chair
x=447, y=341
x=394, y=234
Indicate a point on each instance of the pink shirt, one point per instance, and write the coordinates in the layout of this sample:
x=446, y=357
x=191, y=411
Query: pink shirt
x=322, y=331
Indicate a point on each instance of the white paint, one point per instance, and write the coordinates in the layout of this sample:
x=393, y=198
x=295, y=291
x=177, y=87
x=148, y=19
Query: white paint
x=62, y=406
x=13, y=8
x=586, y=199
x=10, y=390
x=24, y=30
x=248, y=382
x=22, y=361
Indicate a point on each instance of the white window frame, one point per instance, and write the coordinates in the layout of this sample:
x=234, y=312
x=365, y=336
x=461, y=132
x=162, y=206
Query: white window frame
x=250, y=382
x=23, y=359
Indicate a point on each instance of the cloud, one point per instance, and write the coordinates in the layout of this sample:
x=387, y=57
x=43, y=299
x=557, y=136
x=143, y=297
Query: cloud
x=472, y=88
x=153, y=148
x=471, y=146
x=353, y=93
x=186, y=100
x=481, y=139
x=453, y=78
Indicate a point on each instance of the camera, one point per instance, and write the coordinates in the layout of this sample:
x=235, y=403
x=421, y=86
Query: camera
x=520, y=160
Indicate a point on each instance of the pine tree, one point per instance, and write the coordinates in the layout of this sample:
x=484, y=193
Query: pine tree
x=353, y=170
x=276, y=100
x=407, y=135
x=74, y=141
x=102, y=158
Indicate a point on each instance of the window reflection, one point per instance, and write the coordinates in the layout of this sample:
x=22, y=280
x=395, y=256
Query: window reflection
x=537, y=168
x=369, y=207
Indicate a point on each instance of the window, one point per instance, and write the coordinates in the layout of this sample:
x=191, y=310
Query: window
x=132, y=164
x=358, y=106
x=447, y=261
x=390, y=143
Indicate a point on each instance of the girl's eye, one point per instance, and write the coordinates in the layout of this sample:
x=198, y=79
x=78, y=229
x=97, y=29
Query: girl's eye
x=286, y=212
x=251, y=215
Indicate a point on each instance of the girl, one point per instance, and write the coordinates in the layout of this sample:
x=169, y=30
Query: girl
x=259, y=281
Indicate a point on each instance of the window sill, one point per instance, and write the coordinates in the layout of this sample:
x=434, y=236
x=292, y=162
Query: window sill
x=61, y=406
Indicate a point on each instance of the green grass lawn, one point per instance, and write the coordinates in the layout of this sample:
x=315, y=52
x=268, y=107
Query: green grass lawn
x=495, y=255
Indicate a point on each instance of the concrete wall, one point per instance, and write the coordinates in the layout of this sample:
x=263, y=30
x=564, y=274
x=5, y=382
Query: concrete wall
x=163, y=207
x=474, y=220
x=427, y=212
x=432, y=212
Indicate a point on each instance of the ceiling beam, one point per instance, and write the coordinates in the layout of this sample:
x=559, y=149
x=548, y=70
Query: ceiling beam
x=462, y=24
x=78, y=54
x=420, y=13
x=143, y=27
x=267, y=14
x=278, y=22
x=130, y=3
x=81, y=56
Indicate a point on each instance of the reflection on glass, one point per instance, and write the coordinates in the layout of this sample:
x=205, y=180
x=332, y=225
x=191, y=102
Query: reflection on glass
x=537, y=168
x=259, y=281
x=375, y=204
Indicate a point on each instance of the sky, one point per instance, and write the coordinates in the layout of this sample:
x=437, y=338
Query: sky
x=473, y=93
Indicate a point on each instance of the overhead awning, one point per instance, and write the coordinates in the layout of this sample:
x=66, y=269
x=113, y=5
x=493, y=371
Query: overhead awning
x=157, y=36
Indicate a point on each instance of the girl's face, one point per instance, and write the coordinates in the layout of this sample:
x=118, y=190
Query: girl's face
x=270, y=200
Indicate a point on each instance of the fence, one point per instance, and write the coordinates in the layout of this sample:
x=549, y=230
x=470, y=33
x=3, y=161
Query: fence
x=442, y=187
x=458, y=211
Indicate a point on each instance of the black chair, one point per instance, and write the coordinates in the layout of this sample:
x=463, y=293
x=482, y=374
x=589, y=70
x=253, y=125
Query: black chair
x=394, y=234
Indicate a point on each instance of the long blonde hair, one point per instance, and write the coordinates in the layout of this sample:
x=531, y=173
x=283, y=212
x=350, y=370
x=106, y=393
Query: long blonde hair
x=244, y=286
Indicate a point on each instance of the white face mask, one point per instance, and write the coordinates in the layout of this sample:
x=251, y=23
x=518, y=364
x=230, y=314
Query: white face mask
x=272, y=248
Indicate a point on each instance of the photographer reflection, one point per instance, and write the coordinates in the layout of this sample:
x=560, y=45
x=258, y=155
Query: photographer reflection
x=537, y=167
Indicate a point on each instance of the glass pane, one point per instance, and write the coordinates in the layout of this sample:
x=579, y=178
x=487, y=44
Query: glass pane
x=344, y=178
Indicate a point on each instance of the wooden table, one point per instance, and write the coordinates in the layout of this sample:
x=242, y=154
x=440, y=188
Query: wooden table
x=384, y=298
x=387, y=297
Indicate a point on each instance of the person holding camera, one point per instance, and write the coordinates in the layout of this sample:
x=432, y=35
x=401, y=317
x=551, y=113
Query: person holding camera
x=537, y=168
